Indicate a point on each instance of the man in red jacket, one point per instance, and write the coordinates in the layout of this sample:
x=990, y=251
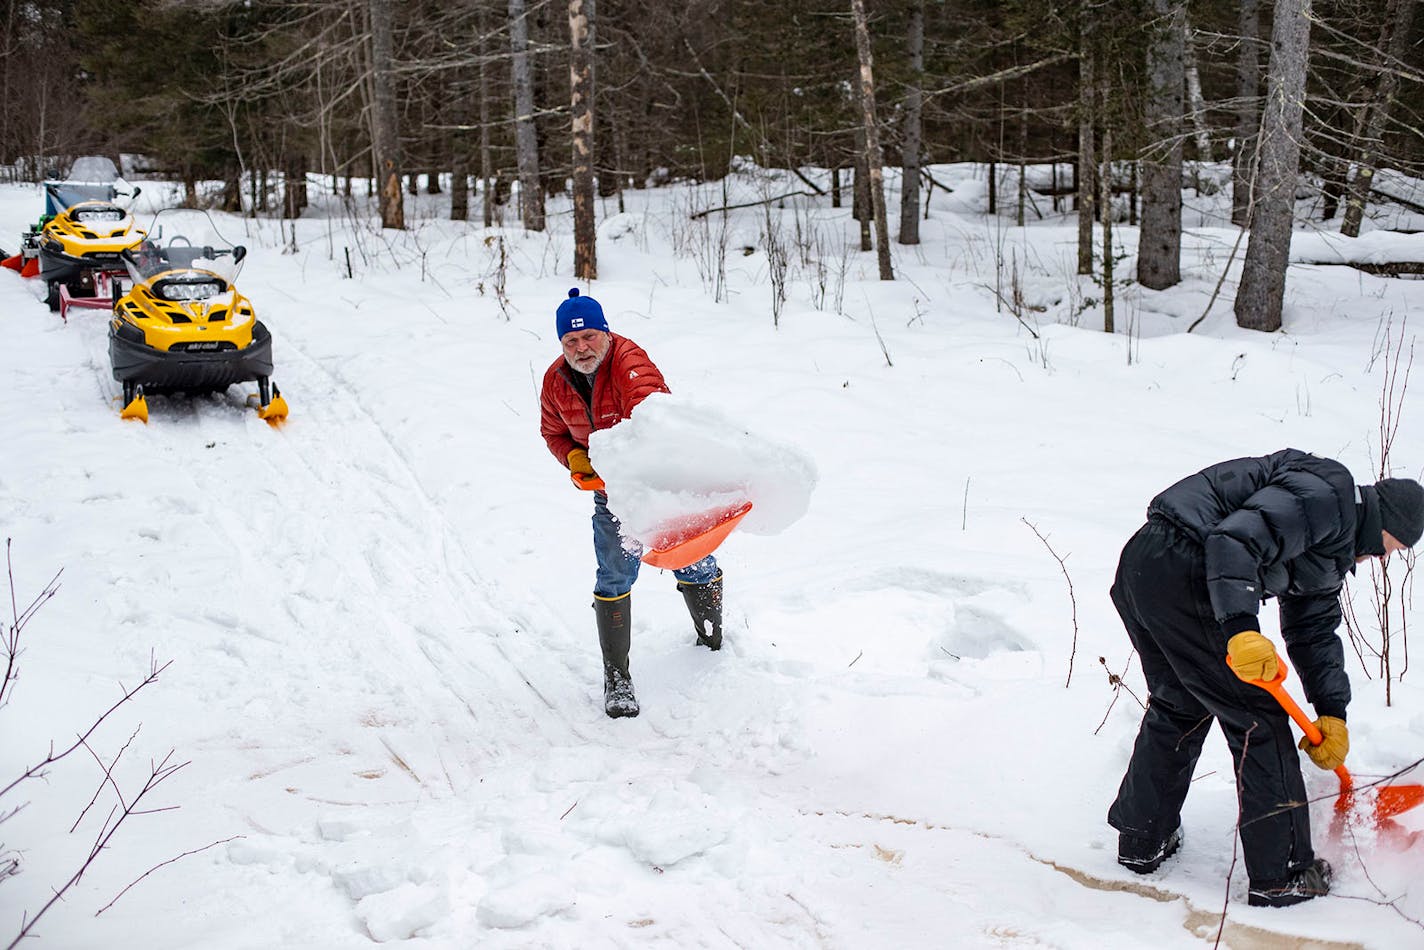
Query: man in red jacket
x=597, y=382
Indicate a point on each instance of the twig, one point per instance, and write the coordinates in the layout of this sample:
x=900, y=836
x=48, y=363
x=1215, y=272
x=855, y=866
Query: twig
x=964, y=511
x=1118, y=684
x=750, y=204
x=856, y=660
x=1235, y=839
x=163, y=864
x=158, y=773
x=1073, y=600
x=53, y=757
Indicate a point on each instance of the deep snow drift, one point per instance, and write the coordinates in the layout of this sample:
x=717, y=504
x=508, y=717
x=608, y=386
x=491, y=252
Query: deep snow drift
x=384, y=673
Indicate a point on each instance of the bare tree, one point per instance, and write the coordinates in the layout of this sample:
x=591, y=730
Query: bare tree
x=581, y=107
x=1248, y=110
x=1159, y=249
x=873, y=156
x=1087, y=159
x=526, y=134
x=385, y=120
x=910, y=149
x=1261, y=295
x=1196, y=103
x=1393, y=45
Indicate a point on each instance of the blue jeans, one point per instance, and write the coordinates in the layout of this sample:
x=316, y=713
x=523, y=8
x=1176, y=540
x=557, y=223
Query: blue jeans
x=618, y=568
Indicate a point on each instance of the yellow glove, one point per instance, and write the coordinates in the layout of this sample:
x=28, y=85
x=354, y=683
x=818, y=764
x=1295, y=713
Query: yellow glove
x=1252, y=656
x=579, y=463
x=1331, y=752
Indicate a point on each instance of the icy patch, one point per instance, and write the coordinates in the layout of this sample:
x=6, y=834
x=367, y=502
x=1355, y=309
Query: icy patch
x=673, y=458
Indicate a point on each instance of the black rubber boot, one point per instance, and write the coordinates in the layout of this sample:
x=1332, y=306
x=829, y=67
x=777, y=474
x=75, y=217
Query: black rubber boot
x=615, y=635
x=704, y=602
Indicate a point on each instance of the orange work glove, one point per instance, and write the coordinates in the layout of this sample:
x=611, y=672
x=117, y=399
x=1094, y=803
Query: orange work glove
x=1252, y=656
x=1331, y=752
x=581, y=471
x=579, y=463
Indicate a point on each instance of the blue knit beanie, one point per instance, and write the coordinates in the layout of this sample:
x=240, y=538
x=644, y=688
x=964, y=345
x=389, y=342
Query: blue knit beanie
x=579, y=313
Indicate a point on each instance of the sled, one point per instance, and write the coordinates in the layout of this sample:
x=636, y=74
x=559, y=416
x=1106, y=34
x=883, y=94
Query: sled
x=107, y=289
x=688, y=539
x=1389, y=800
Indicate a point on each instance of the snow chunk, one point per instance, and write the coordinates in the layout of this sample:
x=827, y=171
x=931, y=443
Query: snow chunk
x=674, y=458
x=531, y=890
x=400, y=913
x=678, y=823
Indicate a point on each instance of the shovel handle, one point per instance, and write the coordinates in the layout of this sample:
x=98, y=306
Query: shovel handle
x=587, y=482
x=1277, y=689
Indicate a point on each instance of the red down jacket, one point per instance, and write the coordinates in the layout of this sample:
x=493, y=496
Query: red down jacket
x=625, y=378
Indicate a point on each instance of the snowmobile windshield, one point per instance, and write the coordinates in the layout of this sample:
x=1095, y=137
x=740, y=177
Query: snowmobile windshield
x=184, y=257
x=93, y=168
x=62, y=195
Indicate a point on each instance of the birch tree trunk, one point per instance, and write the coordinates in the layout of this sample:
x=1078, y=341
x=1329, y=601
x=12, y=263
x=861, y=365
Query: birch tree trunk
x=1196, y=102
x=526, y=134
x=1261, y=296
x=385, y=120
x=1087, y=159
x=1105, y=177
x=581, y=109
x=873, y=157
x=1159, y=248
x=487, y=190
x=1393, y=45
x=910, y=151
x=1248, y=111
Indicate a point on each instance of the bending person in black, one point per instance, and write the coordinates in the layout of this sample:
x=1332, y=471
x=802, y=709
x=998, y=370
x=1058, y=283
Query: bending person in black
x=1189, y=585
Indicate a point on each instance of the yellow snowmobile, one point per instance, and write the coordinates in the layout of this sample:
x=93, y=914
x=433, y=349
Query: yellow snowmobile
x=81, y=236
x=183, y=327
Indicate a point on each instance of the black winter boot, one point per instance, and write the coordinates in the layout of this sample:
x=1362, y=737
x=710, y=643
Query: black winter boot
x=615, y=635
x=704, y=602
x=1145, y=855
x=1313, y=880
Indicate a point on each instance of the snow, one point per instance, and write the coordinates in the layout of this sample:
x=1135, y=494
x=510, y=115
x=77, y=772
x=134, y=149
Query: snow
x=384, y=675
x=675, y=458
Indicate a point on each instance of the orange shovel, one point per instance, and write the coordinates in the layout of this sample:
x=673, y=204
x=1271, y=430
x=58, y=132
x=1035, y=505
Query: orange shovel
x=1390, y=800
x=687, y=540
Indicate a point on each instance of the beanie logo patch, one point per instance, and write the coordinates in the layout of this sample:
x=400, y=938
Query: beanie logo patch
x=576, y=323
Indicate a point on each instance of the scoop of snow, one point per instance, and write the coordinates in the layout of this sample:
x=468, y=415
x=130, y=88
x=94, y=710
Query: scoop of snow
x=675, y=458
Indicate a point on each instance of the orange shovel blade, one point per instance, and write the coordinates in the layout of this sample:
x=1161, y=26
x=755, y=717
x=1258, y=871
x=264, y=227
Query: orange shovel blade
x=31, y=267
x=15, y=262
x=687, y=540
x=1391, y=800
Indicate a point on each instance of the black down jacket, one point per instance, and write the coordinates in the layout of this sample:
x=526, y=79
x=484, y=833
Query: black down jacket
x=1285, y=525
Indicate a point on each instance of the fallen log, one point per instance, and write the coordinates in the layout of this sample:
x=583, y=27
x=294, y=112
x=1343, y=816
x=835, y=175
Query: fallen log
x=1386, y=269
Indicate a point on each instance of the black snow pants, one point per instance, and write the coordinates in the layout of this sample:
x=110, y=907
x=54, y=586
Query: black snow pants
x=1161, y=594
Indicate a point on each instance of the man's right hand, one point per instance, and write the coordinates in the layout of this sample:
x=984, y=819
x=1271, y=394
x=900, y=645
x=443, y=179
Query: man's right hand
x=1253, y=657
x=579, y=463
